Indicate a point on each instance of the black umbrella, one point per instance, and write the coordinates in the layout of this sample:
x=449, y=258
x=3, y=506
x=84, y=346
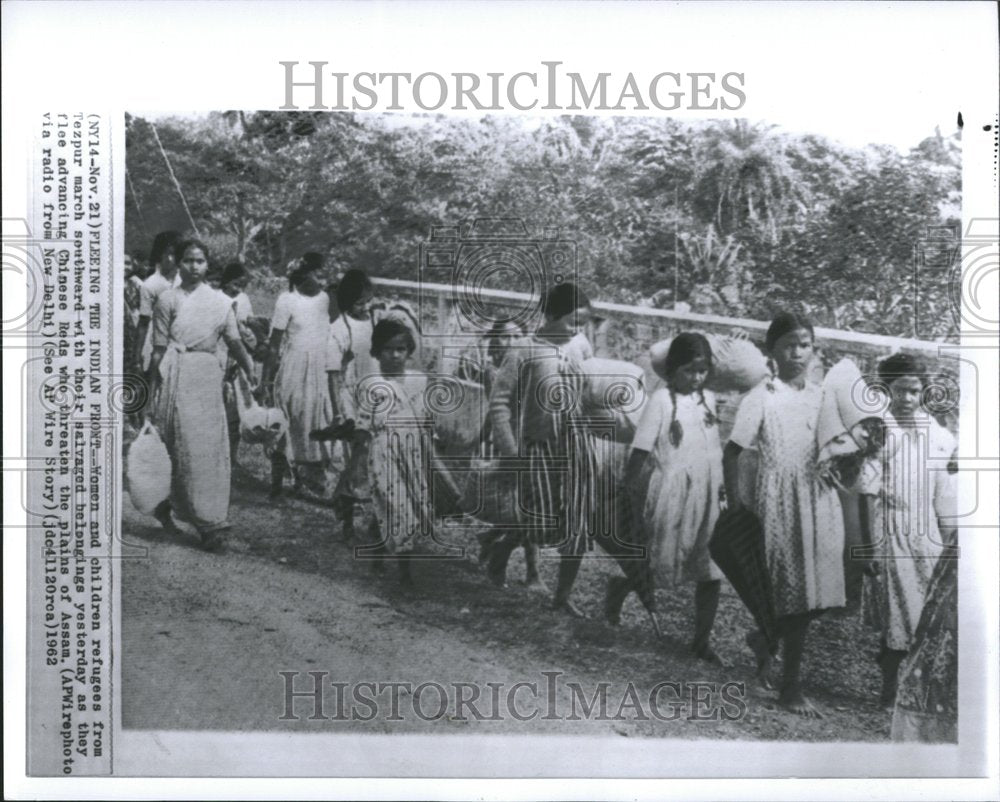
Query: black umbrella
x=737, y=547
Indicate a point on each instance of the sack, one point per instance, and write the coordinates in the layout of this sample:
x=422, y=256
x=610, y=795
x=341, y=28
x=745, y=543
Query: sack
x=737, y=364
x=148, y=475
x=258, y=425
x=615, y=391
x=459, y=411
x=490, y=495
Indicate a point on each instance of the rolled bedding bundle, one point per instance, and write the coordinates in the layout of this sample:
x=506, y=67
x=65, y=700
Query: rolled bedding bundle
x=459, y=411
x=849, y=427
x=613, y=390
x=490, y=494
x=737, y=364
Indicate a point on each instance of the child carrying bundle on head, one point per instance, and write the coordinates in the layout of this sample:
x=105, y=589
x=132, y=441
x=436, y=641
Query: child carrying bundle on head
x=675, y=474
x=566, y=495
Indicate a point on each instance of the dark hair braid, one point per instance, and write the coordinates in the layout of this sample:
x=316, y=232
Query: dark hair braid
x=676, y=431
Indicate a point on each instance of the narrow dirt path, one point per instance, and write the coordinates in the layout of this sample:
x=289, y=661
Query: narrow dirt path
x=206, y=635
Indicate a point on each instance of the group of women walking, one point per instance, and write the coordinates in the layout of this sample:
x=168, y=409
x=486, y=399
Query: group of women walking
x=347, y=386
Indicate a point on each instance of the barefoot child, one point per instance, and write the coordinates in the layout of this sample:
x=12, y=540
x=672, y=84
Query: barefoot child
x=396, y=428
x=498, y=544
x=915, y=499
x=680, y=497
x=800, y=514
x=537, y=390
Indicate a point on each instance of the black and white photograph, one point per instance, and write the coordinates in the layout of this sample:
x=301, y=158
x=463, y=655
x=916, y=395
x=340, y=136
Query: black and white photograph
x=578, y=425
x=503, y=415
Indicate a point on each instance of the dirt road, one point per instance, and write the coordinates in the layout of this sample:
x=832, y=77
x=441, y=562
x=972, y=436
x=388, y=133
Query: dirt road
x=206, y=635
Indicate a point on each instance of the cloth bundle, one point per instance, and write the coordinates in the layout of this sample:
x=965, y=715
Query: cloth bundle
x=490, y=494
x=613, y=390
x=149, y=469
x=845, y=430
x=459, y=411
x=737, y=364
x=259, y=425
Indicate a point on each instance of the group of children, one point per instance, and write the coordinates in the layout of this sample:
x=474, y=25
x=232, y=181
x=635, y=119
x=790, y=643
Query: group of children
x=350, y=382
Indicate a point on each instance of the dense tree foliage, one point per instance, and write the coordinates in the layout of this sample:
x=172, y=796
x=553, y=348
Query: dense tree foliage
x=727, y=217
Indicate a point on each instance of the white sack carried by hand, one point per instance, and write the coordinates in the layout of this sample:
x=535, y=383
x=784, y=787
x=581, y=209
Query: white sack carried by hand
x=258, y=425
x=148, y=470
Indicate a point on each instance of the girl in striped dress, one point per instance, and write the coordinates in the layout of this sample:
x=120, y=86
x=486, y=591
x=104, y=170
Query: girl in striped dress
x=499, y=543
x=540, y=385
x=395, y=425
x=800, y=514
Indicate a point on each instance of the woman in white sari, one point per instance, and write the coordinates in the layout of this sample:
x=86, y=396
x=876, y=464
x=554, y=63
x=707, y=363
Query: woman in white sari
x=188, y=323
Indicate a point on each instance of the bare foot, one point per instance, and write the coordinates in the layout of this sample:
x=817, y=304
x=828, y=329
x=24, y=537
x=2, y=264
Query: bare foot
x=568, y=607
x=794, y=701
x=758, y=643
x=536, y=585
x=167, y=522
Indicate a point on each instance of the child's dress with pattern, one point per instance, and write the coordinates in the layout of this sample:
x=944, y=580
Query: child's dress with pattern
x=800, y=514
x=394, y=412
x=914, y=488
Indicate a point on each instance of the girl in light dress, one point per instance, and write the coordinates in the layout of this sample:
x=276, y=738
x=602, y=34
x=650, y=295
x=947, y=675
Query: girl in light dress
x=188, y=323
x=680, y=497
x=295, y=374
x=914, y=503
x=800, y=514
